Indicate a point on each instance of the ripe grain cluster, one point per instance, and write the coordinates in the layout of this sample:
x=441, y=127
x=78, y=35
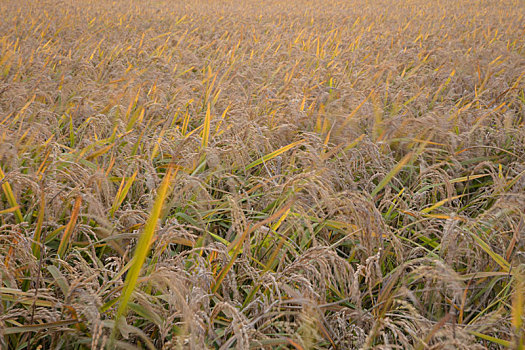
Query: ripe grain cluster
x=310, y=174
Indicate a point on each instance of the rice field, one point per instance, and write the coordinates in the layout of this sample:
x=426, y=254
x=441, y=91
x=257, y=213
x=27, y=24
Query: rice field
x=250, y=174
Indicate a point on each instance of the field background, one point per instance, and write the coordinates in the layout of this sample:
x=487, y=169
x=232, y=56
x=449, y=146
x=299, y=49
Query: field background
x=262, y=174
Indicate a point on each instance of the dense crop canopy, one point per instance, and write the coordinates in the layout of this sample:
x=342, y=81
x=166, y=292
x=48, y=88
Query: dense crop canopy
x=216, y=174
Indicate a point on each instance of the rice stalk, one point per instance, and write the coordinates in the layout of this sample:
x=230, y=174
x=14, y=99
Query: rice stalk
x=142, y=248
